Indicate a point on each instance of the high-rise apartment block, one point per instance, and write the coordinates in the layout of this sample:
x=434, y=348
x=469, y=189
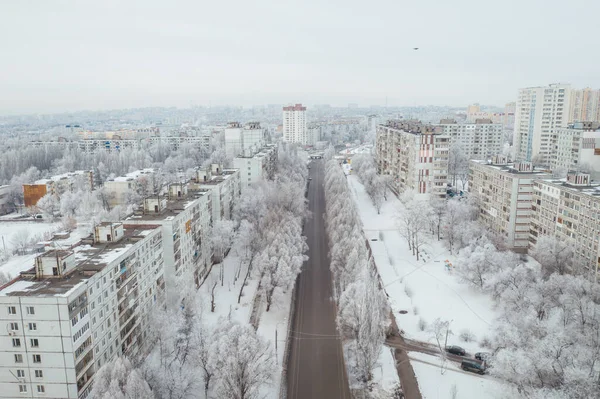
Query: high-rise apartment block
x=78, y=308
x=569, y=210
x=505, y=193
x=540, y=112
x=578, y=149
x=479, y=140
x=257, y=167
x=585, y=105
x=414, y=155
x=243, y=140
x=294, y=124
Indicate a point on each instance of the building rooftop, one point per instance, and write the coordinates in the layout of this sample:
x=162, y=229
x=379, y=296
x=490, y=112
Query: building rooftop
x=173, y=208
x=412, y=126
x=514, y=168
x=134, y=175
x=90, y=258
x=61, y=177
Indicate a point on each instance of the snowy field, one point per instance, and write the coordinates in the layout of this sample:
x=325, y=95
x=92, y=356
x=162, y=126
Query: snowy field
x=435, y=385
x=226, y=307
x=424, y=288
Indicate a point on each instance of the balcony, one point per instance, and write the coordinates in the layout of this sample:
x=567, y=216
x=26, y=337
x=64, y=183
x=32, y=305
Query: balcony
x=84, y=363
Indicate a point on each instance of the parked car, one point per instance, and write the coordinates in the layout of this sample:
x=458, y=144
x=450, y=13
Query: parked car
x=456, y=350
x=483, y=356
x=38, y=216
x=476, y=366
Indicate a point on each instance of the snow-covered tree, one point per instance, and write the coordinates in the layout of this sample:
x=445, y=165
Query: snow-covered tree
x=49, y=205
x=118, y=379
x=21, y=239
x=437, y=213
x=458, y=163
x=555, y=255
x=245, y=363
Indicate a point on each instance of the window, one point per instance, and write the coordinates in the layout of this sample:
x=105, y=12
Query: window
x=14, y=326
x=16, y=342
x=39, y=374
x=23, y=388
x=30, y=310
x=37, y=358
x=34, y=343
x=18, y=358
x=12, y=310
x=32, y=326
x=20, y=373
x=41, y=389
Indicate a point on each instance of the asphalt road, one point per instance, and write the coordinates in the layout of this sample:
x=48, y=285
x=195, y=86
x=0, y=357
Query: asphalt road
x=316, y=364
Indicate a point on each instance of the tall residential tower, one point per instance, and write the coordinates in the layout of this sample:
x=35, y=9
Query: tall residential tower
x=294, y=124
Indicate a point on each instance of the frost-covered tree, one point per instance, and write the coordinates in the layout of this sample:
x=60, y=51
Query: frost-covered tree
x=458, y=163
x=49, y=205
x=555, y=255
x=21, y=239
x=458, y=212
x=118, y=379
x=69, y=203
x=437, y=213
x=245, y=363
x=221, y=240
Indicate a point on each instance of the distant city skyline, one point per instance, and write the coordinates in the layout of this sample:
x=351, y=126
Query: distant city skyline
x=67, y=56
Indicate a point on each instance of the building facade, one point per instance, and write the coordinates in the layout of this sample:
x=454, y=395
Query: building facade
x=224, y=187
x=569, y=209
x=480, y=139
x=127, y=189
x=185, y=219
x=578, y=149
x=504, y=192
x=259, y=167
x=414, y=155
x=77, y=309
x=294, y=124
x=585, y=105
x=243, y=140
x=540, y=112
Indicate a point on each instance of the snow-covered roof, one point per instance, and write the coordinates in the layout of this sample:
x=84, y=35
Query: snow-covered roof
x=134, y=174
x=62, y=177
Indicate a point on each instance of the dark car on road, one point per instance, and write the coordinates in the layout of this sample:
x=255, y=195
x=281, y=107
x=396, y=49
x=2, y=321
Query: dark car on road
x=476, y=366
x=456, y=350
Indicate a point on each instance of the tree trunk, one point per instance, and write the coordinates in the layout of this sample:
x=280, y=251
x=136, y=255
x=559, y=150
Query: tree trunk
x=212, y=297
x=245, y=279
x=270, y=298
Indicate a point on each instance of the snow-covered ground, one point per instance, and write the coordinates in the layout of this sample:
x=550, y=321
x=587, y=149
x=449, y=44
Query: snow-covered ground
x=435, y=385
x=226, y=306
x=385, y=374
x=8, y=230
x=425, y=289
x=362, y=149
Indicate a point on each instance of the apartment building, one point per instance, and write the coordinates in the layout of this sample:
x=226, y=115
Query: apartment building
x=578, y=149
x=117, y=143
x=585, y=105
x=243, y=140
x=480, y=139
x=57, y=185
x=127, y=189
x=258, y=167
x=504, y=192
x=414, y=155
x=540, y=112
x=224, y=186
x=294, y=124
x=185, y=220
x=78, y=308
x=313, y=134
x=569, y=209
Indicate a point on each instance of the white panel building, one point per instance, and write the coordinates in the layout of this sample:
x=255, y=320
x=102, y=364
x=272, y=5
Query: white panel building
x=540, y=112
x=505, y=193
x=260, y=166
x=77, y=309
x=480, y=140
x=578, y=149
x=294, y=124
x=243, y=140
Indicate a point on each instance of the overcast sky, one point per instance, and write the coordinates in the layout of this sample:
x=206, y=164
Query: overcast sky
x=70, y=55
